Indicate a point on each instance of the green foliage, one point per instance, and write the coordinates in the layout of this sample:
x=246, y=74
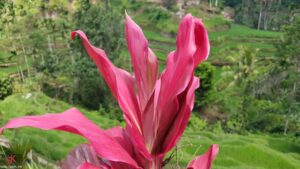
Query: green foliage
x=205, y=72
x=232, y=3
x=288, y=50
x=79, y=80
x=267, y=15
x=158, y=18
x=233, y=125
x=261, y=96
x=103, y=25
x=111, y=111
x=19, y=149
x=169, y=4
x=196, y=123
x=235, y=84
x=267, y=123
x=217, y=128
x=6, y=86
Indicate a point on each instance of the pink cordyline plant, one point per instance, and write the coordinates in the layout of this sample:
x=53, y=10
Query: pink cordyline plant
x=156, y=110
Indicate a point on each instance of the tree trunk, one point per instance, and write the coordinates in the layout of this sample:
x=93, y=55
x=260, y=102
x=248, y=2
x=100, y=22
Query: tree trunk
x=290, y=108
x=21, y=74
x=25, y=56
x=277, y=14
x=49, y=44
x=260, y=15
x=71, y=95
x=268, y=17
x=286, y=124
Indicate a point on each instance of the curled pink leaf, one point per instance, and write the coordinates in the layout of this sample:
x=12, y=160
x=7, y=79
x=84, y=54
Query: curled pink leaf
x=202, y=42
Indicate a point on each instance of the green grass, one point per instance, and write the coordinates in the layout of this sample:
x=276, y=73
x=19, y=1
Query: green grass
x=157, y=18
x=212, y=21
x=156, y=36
x=238, y=35
x=236, y=151
x=240, y=30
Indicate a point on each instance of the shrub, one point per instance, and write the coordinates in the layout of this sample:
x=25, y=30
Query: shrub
x=158, y=18
x=233, y=126
x=268, y=123
x=205, y=72
x=217, y=128
x=196, y=123
x=169, y=4
x=6, y=87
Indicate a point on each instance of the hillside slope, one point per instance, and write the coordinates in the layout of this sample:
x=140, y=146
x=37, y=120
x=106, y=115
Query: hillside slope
x=258, y=151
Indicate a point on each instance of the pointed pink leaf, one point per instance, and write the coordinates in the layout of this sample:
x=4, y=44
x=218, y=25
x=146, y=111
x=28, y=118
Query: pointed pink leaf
x=120, y=82
x=205, y=161
x=174, y=102
x=144, y=61
x=74, y=122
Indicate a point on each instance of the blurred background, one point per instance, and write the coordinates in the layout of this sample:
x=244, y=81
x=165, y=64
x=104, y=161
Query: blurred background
x=248, y=102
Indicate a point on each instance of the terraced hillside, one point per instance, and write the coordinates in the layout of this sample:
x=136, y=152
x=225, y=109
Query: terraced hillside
x=160, y=27
x=223, y=43
x=8, y=62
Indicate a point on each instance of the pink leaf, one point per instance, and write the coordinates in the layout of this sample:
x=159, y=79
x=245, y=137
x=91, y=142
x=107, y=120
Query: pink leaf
x=181, y=120
x=122, y=137
x=83, y=153
x=205, y=161
x=144, y=61
x=74, y=122
x=122, y=85
x=87, y=165
x=174, y=80
x=120, y=82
